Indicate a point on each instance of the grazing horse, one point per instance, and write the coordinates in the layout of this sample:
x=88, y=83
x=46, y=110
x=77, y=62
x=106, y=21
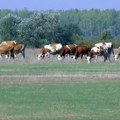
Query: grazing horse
x=98, y=51
x=50, y=49
x=44, y=53
x=19, y=48
x=117, y=55
x=67, y=49
x=6, y=50
x=80, y=51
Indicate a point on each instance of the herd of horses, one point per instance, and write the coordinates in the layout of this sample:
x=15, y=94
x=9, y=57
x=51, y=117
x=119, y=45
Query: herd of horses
x=99, y=49
x=11, y=48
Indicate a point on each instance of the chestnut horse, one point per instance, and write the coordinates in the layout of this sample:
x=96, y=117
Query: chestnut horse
x=6, y=50
x=80, y=51
x=67, y=49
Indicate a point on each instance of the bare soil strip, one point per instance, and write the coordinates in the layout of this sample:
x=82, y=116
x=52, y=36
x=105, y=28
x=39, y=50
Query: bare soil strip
x=57, y=78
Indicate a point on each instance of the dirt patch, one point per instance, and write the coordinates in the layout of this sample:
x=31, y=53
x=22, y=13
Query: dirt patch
x=57, y=78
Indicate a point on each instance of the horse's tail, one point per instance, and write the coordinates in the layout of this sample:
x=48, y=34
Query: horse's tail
x=23, y=50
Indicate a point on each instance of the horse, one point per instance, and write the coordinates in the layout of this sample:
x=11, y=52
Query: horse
x=45, y=52
x=67, y=49
x=50, y=49
x=108, y=45
x=98, y=51
x=6, y=50
x=9, y=42
x=117, y=55
x=80, y=51
x=19, y=48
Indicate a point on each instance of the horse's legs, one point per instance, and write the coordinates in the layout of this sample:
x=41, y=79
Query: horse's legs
x=81, y=56
x=9, y=55
x=96, y=57
x=105, y=58
x=109, y=57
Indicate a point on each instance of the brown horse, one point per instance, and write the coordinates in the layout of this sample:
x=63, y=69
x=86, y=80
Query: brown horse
x=80, y=51
x=67, y=49
x=9, y=42
x=44, y=53
x=6, y=50
x=19, y=48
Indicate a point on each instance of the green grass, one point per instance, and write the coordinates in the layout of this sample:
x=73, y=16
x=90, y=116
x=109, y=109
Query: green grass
x=59, y=68
x=97, y=100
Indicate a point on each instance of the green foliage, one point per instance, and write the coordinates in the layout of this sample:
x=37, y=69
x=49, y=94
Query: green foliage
x=105, y=35
x=36, y=28
x=9, y=26
x=65, y=34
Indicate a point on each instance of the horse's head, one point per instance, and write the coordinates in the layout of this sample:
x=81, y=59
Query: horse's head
x=59, y=57
x=88, y=59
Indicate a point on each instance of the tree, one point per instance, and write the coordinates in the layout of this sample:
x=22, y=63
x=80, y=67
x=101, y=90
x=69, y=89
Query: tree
x=105, y=35
x=9, y=26
x=64, y=34
x=38, y=29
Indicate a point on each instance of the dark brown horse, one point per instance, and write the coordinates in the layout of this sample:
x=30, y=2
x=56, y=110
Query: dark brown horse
x=67, y=49
x=80, y=51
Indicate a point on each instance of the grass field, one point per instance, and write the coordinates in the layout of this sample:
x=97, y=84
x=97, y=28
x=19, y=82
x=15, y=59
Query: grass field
x=58, y=68
x=84, y=100
x=59, y=91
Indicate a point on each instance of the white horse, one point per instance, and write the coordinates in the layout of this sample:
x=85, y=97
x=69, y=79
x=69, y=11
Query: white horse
x=105, y=45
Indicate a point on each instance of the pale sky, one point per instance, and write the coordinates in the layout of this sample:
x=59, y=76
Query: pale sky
x=59, y=4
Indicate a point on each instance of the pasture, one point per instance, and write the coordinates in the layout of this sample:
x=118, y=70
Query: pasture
x=59, y=90
x=83, y=100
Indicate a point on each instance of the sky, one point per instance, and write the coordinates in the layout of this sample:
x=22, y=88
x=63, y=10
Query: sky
x=59, y=4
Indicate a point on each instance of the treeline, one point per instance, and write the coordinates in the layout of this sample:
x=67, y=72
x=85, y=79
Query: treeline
x=36, y=28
